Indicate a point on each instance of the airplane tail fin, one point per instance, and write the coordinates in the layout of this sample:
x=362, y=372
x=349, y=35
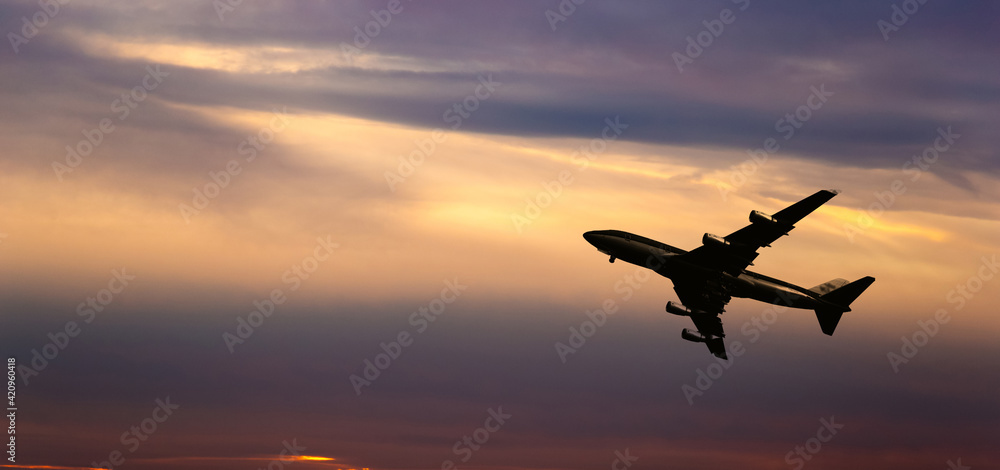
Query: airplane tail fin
x=838, y=294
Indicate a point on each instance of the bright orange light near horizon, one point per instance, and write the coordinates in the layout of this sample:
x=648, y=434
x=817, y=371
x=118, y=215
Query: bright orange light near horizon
x=313, y=457
x=53, y=467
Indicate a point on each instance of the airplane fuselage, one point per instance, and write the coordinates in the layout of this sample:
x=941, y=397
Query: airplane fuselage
x=664, y=260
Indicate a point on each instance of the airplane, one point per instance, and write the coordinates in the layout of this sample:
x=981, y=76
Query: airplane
x=706, y=278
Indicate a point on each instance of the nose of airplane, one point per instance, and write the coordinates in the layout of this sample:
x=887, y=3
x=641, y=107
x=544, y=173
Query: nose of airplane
x=593, y=237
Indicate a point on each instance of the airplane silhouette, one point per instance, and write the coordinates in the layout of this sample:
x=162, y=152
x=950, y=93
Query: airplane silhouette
x=707, y=277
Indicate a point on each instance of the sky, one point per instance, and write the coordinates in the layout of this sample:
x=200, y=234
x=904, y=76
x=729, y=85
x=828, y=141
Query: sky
x=319, y=235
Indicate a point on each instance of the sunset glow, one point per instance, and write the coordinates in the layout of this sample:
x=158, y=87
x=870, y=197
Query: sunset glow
x=346, y=234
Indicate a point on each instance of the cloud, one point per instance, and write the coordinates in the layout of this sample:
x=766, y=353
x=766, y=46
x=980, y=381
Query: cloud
x=560, y=84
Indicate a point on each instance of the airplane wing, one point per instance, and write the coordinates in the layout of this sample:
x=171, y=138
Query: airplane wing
x=710, y=322
x=733, y=253
x=707, y=301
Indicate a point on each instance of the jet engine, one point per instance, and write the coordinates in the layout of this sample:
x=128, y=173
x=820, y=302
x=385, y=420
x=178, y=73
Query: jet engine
x=678, y=309
x=693, y=336
x=710, y=239
x=759, y=217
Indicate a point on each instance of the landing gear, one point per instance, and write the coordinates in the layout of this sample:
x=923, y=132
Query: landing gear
x=612, y=260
